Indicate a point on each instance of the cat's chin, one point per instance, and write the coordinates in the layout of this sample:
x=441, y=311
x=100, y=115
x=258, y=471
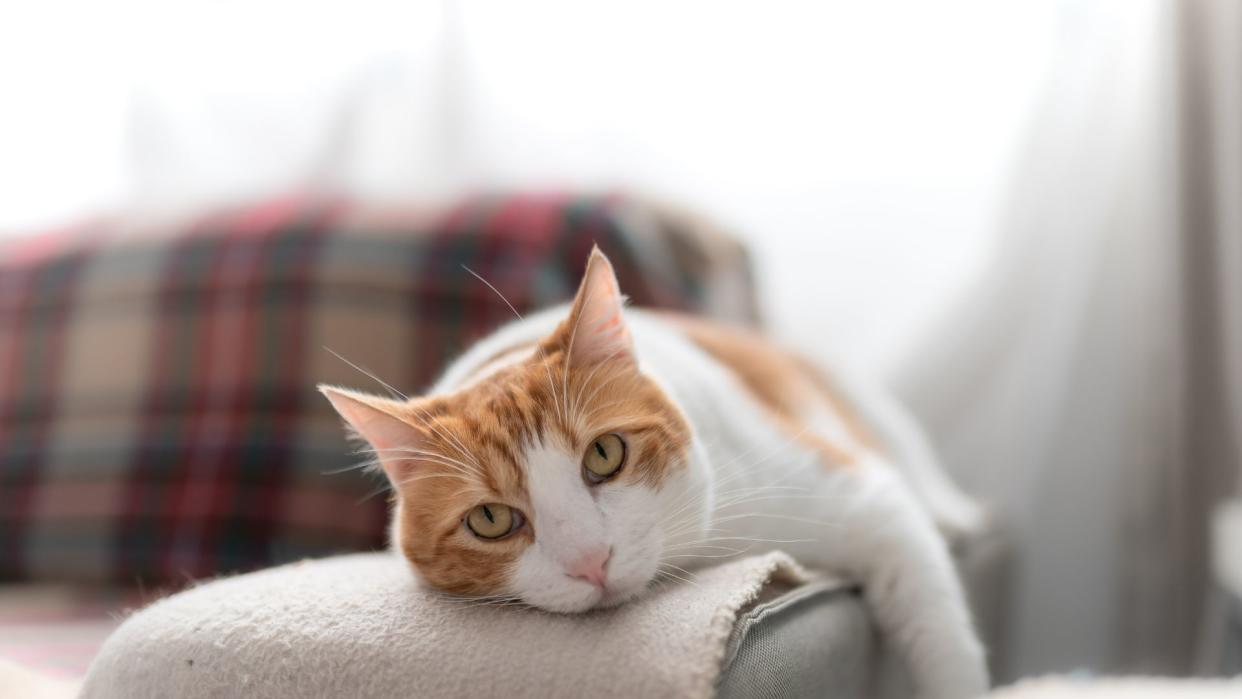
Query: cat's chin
x=608, y=599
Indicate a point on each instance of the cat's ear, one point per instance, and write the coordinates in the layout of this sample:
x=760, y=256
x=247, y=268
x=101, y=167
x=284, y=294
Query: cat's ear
x=377, y=420
x=595, y=330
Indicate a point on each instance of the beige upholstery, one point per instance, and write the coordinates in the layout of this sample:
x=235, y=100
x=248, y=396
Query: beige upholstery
x=359, y=626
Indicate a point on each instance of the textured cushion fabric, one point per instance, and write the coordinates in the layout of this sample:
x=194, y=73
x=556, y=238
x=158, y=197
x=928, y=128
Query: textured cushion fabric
x=360, y=626
x=158, y=414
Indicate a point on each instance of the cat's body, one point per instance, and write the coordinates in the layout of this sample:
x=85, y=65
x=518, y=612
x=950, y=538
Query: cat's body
x=733, y=446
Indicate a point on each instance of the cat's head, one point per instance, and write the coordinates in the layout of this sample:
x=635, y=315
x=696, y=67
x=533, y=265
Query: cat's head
x=543, y=480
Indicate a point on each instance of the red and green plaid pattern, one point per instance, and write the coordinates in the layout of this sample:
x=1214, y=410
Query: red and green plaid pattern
x=158, y=413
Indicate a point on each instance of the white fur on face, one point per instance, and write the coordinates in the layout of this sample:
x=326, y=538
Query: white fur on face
x=571, y=519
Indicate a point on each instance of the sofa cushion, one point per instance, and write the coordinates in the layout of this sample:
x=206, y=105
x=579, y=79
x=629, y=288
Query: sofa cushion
x=360, y=626
x=158, y=412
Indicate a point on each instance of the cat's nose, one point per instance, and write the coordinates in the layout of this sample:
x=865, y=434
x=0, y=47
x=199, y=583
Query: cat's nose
x=591, y=567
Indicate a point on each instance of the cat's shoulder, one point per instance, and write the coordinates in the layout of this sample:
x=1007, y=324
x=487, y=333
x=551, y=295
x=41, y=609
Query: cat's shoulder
x=800, y=394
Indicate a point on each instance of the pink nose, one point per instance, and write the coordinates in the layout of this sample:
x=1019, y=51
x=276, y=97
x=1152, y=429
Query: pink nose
x=591, y=567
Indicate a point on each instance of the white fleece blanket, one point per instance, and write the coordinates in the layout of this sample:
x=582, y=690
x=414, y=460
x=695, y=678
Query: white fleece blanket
x=359, y=626
x=1121, y=688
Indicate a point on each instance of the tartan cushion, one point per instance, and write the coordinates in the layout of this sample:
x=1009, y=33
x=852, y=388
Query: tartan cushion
x=158, y=413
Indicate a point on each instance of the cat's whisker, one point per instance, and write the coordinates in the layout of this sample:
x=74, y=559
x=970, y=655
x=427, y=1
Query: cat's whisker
x=814, y=497
x=452, y=597
x=659, y=584
x=728, y=549
x=687, y=573
x=732, y=498
x=759, y=496
x=422, y=459
x=542, y=354
x=698, y=498
x=455, y=469
x=461, y=448
x=569, y=351
x=684, y=531
x=683, y=517
x=626, y=421
x=677, y=577
x=703, y=530
x=368, y=374
x=709, y=530
x=497, y=603
x=739, y=501
x=591, y=377
x=491, y=604
x=714, y=527
x=382, y=489
x=467, y=602
x=769, y=515
x=360, y=466
x=755, y=540
x=784, y=444
x=560, y=412
x=590, y=415
x=429, y=456
x=763, y=487
x=430, y=476
x=449, y=438
x=732, y=554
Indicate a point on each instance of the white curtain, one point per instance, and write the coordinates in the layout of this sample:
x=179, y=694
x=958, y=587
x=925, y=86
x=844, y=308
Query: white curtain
x=1054, y=387
x=1088, y=384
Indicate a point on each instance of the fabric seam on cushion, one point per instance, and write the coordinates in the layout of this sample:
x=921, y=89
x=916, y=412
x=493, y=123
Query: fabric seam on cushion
x=748, y=620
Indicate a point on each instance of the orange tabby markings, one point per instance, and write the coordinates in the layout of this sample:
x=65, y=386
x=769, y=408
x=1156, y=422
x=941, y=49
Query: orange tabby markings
x=785, y=385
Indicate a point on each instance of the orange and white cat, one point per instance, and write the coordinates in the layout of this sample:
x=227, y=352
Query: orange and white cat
x=577, y=455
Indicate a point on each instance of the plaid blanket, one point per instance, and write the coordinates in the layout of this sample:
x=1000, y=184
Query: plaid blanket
x=158, y=418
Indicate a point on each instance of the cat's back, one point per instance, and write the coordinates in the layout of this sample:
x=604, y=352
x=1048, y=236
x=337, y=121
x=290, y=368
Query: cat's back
x=798, y=397
x=729, y=378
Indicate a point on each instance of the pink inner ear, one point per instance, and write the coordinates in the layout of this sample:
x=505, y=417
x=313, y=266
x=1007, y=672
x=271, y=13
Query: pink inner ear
x=375, y=419
x=597, y=330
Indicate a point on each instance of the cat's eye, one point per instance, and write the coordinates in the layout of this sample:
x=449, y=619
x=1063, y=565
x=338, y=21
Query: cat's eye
x=604, y=457
x=493, y=520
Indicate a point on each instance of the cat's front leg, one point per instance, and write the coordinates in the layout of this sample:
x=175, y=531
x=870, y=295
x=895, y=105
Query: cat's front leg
x=909, y=582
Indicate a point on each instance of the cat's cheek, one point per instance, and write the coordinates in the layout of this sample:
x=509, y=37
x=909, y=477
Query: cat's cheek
x=635, y=527
x=630, y=581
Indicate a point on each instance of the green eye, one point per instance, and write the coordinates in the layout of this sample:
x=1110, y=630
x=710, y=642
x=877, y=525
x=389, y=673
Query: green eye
x=493, y=520
x=603, y=458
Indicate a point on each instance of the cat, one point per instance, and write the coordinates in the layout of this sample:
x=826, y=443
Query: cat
x=575, y=456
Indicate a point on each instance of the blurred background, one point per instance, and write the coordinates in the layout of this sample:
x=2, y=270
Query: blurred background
x=1024, y=217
